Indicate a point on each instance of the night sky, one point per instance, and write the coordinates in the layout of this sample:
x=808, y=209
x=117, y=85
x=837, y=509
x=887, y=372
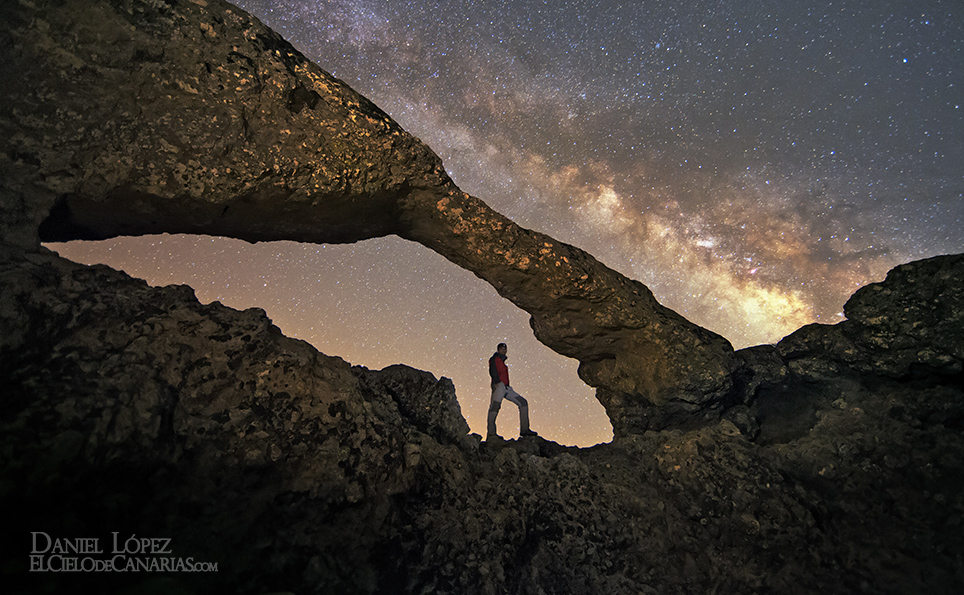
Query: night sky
x=753, y=163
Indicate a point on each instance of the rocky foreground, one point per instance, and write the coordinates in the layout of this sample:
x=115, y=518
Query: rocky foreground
x=138, y=411
x=149, y=443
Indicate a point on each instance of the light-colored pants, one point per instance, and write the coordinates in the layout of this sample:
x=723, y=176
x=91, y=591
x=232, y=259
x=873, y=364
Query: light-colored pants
x=501, y=391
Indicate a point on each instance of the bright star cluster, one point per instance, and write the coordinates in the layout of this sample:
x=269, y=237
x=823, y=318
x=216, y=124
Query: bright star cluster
x=753, y=163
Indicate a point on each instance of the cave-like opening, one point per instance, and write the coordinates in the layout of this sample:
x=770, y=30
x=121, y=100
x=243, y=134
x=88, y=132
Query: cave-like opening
x=374, y=303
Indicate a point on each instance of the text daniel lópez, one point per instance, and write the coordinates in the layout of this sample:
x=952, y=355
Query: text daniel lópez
x=87, y=554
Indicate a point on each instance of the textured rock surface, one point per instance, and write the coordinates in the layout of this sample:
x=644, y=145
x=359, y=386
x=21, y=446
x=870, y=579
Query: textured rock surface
x=144, y=117
x=138, y=410
x=155, y=414
x=889, y=330
x=838, y=466
x=428, y=404
x=652, y=367
x=136, y=117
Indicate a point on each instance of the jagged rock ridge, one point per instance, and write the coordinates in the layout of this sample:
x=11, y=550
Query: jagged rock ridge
x=137, y=410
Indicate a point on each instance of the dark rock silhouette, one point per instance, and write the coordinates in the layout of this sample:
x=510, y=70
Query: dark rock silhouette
x=832, y=462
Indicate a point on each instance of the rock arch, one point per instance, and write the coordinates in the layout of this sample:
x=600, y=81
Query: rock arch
x=135, y=118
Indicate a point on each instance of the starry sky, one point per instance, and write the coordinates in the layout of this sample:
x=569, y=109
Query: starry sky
x=752, y=162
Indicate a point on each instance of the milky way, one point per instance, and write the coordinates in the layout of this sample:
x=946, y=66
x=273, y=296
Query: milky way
x=753, y=163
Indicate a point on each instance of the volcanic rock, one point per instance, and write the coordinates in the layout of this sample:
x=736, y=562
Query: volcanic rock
x=906, y=326
x=140, y=117
x=831, y=462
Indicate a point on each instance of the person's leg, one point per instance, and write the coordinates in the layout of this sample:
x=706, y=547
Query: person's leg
x=523, y=405
x=498, y=392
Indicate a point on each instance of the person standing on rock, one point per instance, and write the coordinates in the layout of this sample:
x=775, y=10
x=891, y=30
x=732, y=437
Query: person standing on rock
x=501, y=389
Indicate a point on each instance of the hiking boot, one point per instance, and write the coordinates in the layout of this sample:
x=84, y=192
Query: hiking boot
x=527, y=433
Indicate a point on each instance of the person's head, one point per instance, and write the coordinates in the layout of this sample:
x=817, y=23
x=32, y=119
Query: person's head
x=502, y=348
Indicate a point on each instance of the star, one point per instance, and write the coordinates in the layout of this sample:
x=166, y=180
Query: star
x=753, y=167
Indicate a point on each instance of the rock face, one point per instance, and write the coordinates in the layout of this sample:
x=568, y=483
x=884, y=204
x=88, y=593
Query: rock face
x=832, y=462
x=136, y=410
x=138, y=403
x=139, y=117
x=889, y=331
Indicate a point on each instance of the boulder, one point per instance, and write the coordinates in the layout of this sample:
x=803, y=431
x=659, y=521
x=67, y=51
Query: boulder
x=911, y=324
x=430, y=405
x=908, y=326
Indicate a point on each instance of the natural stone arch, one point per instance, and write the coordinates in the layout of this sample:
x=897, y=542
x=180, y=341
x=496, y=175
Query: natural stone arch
x=134, y=118
x=345, y=293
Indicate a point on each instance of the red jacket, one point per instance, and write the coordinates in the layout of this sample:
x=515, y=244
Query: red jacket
x=498, y=370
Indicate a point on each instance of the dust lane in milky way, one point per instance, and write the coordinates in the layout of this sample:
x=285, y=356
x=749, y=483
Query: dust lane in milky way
x=753, y=163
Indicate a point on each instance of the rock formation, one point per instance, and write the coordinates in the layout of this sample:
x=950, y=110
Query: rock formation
x=137, y=410
x=832, y=462
x=143, y=117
